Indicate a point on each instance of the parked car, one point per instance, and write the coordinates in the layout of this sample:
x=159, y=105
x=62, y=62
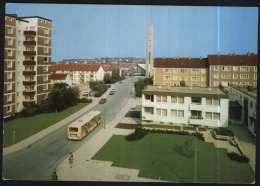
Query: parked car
x=112, y=92
x=102, y=101
x=85, y=94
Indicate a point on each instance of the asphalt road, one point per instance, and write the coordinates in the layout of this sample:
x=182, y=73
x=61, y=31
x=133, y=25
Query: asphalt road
x=38, y=161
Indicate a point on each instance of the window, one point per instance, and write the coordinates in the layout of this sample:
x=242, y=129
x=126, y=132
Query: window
x=216, y=116
x=195, y=85
x=177, y=113
x=164, y=98
x=208, y=101
x=9, y=86
x=195, y=78
x=180, y=99
x=225, y=76
x=203, y=71
x=175, y=77
x=9, y=97
x=9, y=64
x=244, y=69
x=255, y=69
x=158, y=98
x=161, y=112
x=46, y=41
x=9, y=75
x=167, y=70
x=45, y=50
x=45, y=69
x=46, y=31
x=216, y=68
x=10, y=41
x=255, y=76
x=164, y=112
x=216, y=102
x=216, y=75
x=45, y=78
x=175, y=70
x=9, y=53
x=45, y=87
x=216, y=83
x=195, y=71
x=235, y=76
x=226, y=68
x=45, y=59
x=174, y=99
x=203, y=78
x=244, y=83
x=9, y=109
x=235, y=68
x=196, y=114
x=183, y=70
x=208, y=115
x=148, y=110
x=196, y=100
x=10, y=30
x=183, y=78
x=244, y=76
x=167, y=77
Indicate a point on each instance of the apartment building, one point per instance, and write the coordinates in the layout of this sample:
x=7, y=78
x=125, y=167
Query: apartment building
x=171, y=71
x=108, y=69
x=247, y=98
x=80, y=73
x=61, y=78
x=232, y=69
x=27, y=61
x=184, y=106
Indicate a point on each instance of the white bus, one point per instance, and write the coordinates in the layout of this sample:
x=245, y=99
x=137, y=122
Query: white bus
x=80, y=128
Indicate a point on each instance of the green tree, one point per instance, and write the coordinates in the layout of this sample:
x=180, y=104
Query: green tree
x=182, y=83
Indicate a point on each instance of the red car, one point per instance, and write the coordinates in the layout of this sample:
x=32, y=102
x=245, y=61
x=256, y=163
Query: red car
x=102, y=101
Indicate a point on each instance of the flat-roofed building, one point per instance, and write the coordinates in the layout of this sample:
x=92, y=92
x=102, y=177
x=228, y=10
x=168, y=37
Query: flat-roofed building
x=246, y=96
x=171, y=71
x=232, y=69
x=185, y=106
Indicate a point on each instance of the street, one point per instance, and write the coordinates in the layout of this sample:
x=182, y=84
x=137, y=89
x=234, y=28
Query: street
x=38, y=161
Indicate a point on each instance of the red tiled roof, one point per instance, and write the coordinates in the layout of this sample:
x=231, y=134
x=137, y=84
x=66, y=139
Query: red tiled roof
x=58, y=76
x=74, y=67
x=234, y=60
x=180, y=62
x=110, y=67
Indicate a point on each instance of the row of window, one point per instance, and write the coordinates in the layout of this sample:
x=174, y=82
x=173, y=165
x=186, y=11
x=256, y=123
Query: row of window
x=185, y=78
x=226, y=83
x=234, y=76
x=180, y=100
x=234, y=68
x=184, y=70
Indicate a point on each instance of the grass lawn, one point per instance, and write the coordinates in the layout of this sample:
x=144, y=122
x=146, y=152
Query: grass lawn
x=172, y=158
x=27, y=126
x=133, y=114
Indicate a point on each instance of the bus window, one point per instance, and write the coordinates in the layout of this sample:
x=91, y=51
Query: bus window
x=73, y=129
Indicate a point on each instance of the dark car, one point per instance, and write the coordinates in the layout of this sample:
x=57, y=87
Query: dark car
x=102, y=101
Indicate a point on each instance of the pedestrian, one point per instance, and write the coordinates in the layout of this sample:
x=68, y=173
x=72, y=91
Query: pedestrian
x=71, y=160
x=55, y=176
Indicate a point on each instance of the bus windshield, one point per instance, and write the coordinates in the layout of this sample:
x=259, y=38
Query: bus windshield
x=73, y=129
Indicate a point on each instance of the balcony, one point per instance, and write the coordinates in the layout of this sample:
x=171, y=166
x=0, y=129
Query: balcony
x=29, y=43
x=29, y=62
x=28, y=93
x=29, y=32
x=196, y=121
x=29, y=83
x=29, y=73
x=194, y=106
x=29, y=53
x=27, y=103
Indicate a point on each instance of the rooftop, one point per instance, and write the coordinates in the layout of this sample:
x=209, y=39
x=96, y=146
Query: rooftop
x=246, y=89
x=185, y=91
x=182, y=62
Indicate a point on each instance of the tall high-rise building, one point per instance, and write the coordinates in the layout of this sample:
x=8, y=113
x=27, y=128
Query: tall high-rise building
x=27, y=61
x=149, y=51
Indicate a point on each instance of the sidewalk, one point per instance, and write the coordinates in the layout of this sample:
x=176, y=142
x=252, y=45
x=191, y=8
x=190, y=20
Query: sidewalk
x=32, y=139
x=85, y=169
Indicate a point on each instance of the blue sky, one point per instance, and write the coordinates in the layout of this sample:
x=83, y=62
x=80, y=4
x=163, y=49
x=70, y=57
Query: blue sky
x=90, y=31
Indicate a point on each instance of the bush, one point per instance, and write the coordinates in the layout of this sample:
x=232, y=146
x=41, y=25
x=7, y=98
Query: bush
x=29, y=111
x=237, y=157
x=223, y=132
x=85, y=100
x=138, y=134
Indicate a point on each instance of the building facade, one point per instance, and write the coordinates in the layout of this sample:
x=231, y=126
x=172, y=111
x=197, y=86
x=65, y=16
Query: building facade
x=149, y=51
x=247, y=98
x=185, y=106
x=171, y=71
x=80, y=73
x=232, y=69
x=61, y=78
x=27, y=61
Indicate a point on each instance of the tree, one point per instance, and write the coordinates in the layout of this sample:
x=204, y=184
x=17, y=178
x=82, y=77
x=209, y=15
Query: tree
x=220, y=86
x=182, y=83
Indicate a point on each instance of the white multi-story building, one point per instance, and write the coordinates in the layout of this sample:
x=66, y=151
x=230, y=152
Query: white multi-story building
x=246, y=97
x=185, y=106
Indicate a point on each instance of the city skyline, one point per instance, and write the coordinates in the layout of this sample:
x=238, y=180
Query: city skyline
x=119, y=30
